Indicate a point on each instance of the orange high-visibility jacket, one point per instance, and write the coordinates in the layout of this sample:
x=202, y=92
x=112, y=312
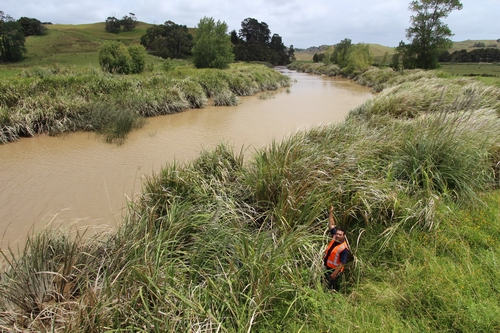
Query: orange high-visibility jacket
x=333, y=259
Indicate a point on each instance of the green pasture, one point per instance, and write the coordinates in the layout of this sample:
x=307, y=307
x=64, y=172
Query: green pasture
x=486, y=72
x=71, y=45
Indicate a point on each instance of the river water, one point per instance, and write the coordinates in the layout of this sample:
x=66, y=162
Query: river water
x=79, y=180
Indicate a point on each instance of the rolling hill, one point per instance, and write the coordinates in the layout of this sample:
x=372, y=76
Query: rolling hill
x=77, y=44
x=379, y=50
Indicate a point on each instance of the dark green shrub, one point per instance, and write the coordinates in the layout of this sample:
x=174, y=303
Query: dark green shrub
x=114, y=58
x=137, y=58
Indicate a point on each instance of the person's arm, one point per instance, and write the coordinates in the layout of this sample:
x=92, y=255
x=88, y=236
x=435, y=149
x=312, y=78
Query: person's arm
x=331, y=220
x=336, y=271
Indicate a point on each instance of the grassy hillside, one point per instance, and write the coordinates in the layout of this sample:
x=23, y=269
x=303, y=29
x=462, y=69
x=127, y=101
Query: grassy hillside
x=378, y=50
x=468, y=44
x=67, y=44
x=307, y=54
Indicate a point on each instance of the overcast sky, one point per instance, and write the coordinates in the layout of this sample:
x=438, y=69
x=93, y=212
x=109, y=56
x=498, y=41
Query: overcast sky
x=300, y=23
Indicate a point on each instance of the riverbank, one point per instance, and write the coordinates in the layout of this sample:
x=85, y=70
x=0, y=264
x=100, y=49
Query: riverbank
x=58, y=99
x=234, y=245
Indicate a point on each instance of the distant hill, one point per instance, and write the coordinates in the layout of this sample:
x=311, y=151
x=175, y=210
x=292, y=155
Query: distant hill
x=469, y=44
x=307, y=54
x=378, y=50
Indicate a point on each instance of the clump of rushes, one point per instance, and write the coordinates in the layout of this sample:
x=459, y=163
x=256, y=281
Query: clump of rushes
x=60, y=99
x=193, y=92
x=316, y=68
x=414, y=98
x=241, y=84
x=225, y=98
x=113, y=123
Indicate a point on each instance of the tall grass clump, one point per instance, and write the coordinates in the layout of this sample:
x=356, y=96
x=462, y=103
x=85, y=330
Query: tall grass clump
x=448, y=153
x=193, y=93
x=53, y=270
x=377, y=78
x=414, y=98
x=113, y=123
x=225, y=98
x=316, y=68
x=445, y=150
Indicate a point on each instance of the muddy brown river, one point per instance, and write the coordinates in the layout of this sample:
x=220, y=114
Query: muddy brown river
x=79, y=181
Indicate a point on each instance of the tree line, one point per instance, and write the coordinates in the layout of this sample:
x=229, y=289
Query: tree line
x=211, y=47
x=429, y=37
x=253, y=42
x=477, y=55
x=13, y=34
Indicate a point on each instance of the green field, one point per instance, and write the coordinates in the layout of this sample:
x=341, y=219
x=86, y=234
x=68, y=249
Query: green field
x=471, y=69
x=75, y=45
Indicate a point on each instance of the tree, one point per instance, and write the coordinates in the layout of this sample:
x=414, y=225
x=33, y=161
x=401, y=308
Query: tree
x=12, y=48
x=291, y=54
x=113, y=24
x=341, y=52
x=428, y=34
x=235, y=39
x=129, y=22
x=444, y=56
x=168, y=40
x=404, y=57
x=384, y=60
x=137, y=58
x=318, y=57
x=32, y=26
x=279, y=54
x=352, y=58
x=253, y=31
x=212, y=45
x=254, y=43
x=360, y=59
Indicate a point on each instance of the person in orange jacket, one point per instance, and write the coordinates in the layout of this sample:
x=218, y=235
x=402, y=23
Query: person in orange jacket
x=336, y=254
